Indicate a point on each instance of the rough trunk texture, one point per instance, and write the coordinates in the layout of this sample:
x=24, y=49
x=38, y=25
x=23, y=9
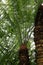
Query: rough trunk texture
x=38, y=35
x=23, y=55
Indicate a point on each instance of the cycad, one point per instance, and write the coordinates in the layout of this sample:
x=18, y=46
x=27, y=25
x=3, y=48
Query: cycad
x=16, y=27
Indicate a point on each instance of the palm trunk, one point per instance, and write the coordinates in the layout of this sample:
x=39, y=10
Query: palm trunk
x=23, y=55
x=38, y=36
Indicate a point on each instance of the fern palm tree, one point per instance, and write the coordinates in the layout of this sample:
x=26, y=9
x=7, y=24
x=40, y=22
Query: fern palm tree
x=16, y=27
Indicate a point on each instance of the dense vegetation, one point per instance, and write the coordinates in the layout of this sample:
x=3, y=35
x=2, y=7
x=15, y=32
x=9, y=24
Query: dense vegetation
x=16, y=27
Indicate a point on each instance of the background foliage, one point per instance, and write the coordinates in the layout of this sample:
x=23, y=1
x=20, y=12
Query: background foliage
x=16, y=27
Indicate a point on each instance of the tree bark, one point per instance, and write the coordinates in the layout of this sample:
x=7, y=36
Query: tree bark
x=38, y=35
x=23, y=55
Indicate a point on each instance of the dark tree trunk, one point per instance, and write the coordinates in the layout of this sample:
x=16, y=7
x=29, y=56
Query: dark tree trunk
x=38, y=35
x=23, y=55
